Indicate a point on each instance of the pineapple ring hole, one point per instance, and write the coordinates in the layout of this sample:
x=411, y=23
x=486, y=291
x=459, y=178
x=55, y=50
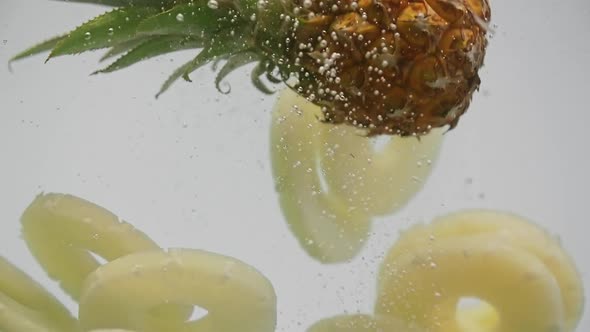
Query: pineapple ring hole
x=476, y=313
x=198, y=313
x=97, y=257
x=380, y=143
x=193, y=313
x=468, y=302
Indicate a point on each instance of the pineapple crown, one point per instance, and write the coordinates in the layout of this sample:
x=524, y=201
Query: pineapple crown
x=237, y=31
x=398, y=67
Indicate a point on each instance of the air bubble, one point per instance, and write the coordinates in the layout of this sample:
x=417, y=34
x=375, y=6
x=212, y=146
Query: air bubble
x=87, y=35
x=180, y=17
x=111, y=31
x=213, y=4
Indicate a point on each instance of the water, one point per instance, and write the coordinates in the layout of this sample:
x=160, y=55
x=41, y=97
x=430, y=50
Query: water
x=192, y=169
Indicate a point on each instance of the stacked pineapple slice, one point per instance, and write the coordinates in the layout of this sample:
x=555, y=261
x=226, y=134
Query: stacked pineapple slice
x=140, y=288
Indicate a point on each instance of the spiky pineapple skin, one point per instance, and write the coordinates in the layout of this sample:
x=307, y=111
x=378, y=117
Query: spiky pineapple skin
x=398, y=67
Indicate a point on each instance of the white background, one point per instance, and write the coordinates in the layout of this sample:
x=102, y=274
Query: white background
x=192, y=168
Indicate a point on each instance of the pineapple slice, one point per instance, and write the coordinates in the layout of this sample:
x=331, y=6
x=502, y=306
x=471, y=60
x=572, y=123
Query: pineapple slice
x=521, y=271
x=360, y=323
x=514, y=230
x=122, y=293
x=62, y=230
x=26, y=306
x=380, y=180
x=326, y=227
x=480, y=319
x=331, y=215
x=111, y=330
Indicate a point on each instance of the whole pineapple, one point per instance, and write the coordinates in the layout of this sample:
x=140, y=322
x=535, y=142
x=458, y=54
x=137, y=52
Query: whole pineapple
x=398, y=67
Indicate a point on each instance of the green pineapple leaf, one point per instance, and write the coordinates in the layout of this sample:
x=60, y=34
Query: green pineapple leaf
x=233, y=63
x=39, y=48
x=106, y=30
x=189, y=19
x=257, y=72
x=224, y=43
x=270, y=75
x=152, y=48
x=124, y=47
x=126, y=3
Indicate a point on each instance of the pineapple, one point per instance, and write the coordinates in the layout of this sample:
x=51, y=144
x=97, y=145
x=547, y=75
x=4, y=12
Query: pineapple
x=398, y=67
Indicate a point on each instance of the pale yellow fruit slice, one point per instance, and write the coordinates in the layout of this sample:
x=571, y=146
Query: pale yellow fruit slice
x=360, y=323
x=26, y=306
x=379, y=181
x=512, y=230
x=63, y=230
x=328, y=228
x=425, y=285
x=122, y=293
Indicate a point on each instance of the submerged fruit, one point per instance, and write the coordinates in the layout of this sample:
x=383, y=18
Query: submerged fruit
x=331, y=182
x=123, y=292
x=63, y=230
x=529, y=282
x=140, y=288
x=360, y=323
x=398, y=67
x=26, y=306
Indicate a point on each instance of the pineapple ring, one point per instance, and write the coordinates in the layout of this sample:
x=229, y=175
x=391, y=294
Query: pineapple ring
x=121, y=293
x=360, y=323
x=332, y=224
x=534, y=285
x=61, y=231
x=514, y=230
x=515, y=282
x=379, y=182
x=359, y=174
x=481, y=319
x=111, y=330
x=26, y=306
x=325, y=226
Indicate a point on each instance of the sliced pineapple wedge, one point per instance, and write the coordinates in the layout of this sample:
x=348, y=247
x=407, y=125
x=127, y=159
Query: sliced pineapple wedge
x=525, y=276
x=326, y=227
x=122, y=293
x=27, y=306
x=63, y=230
